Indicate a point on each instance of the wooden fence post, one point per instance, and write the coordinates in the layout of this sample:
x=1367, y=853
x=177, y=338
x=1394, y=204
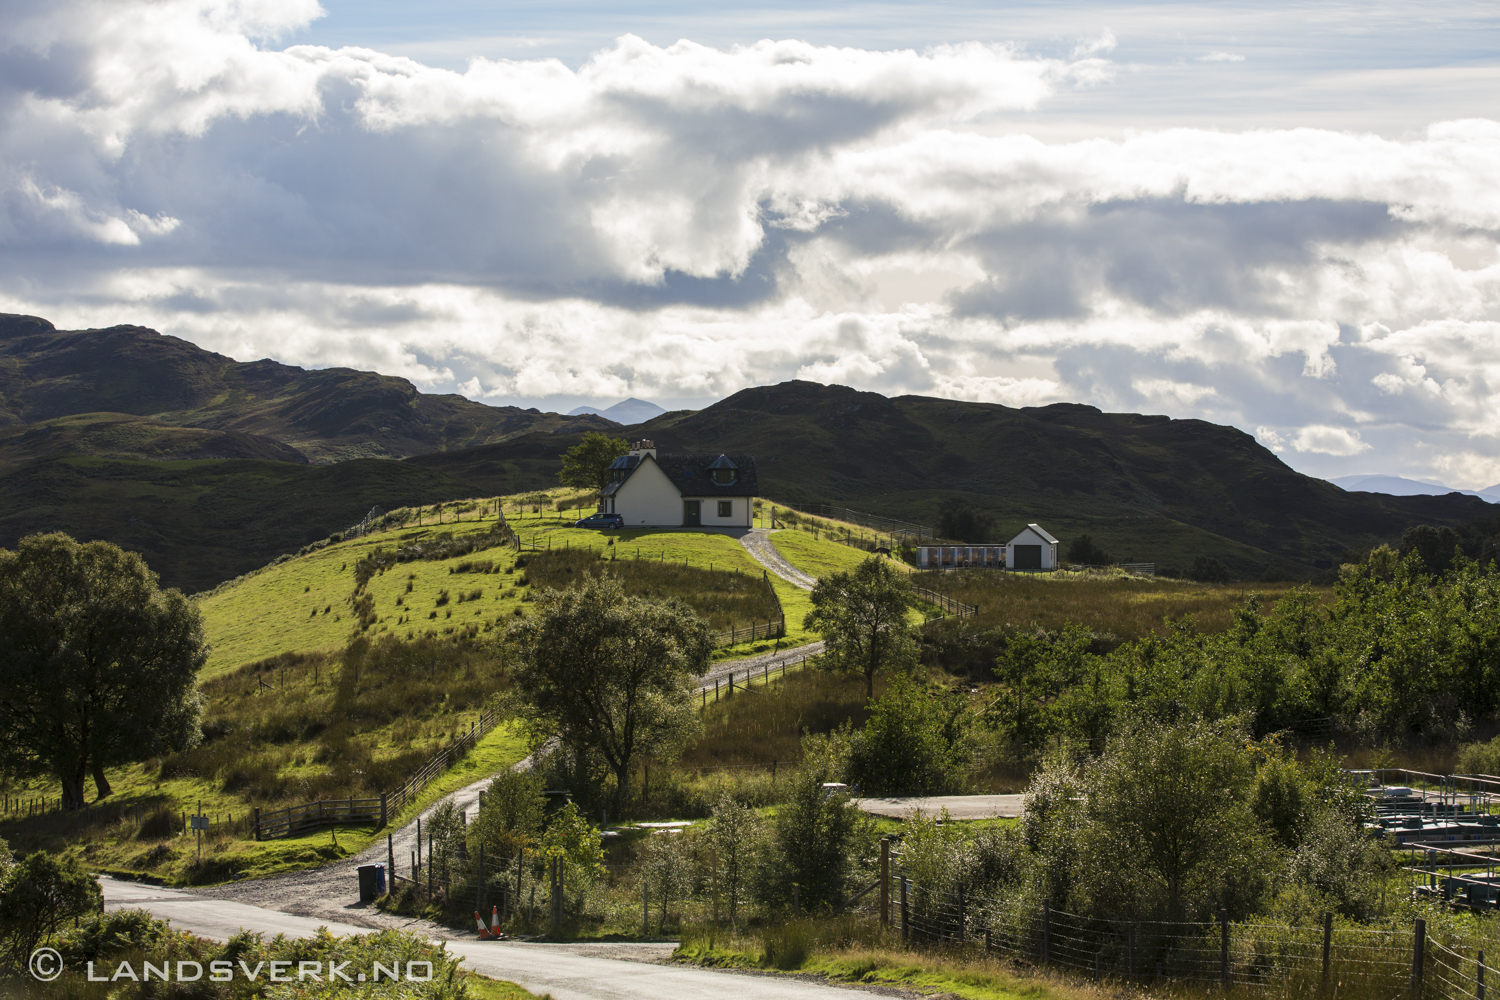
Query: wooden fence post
x=382, y=809
x=905, y=914
x=1418, y=947
x=1046, y=931
x=1479, y=976
x=885, y=882
x=1224, y=950
x=1327, y=946
x=255, y=822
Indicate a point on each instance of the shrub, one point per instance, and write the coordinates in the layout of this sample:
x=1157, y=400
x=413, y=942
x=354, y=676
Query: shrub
x=36, y=896
x=916, y=743
x=817, y=834
x=1479, y=758
x=1207, y=569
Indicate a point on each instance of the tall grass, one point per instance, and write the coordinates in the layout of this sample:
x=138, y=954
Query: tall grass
x=765, y=724
x=1128, y=608
x=722, y=597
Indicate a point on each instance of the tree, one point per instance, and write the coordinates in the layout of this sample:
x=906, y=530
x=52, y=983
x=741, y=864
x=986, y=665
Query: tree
x=816, y=833
x=1170, y=831
x=1207, y=569
x=609, y=674
x=1086, y=553
x=736, y=839
x=36, y=896
x=862, y=618
x=97, y=663
x=915, y=743
x=512, y=816
x=586, y=464
x=957, y=518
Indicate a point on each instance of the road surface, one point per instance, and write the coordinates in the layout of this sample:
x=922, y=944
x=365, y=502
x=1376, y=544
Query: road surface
x=584, y=971
x=958, y=806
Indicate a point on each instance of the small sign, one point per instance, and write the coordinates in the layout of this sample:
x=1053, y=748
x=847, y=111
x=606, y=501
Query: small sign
x=198, y=822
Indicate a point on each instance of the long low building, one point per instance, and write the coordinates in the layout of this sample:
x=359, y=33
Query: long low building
x=1032, y=549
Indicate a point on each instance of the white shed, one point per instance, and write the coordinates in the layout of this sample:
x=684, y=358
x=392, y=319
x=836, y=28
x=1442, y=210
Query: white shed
x=1033, y=548
x=657, y=491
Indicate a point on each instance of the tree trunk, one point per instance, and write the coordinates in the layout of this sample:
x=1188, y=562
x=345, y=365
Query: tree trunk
x=72, y=789
x=101, y=783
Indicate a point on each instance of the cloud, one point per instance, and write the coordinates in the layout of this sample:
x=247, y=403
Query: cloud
x=1222, y=57
x=1324, y=440
x=680, y=221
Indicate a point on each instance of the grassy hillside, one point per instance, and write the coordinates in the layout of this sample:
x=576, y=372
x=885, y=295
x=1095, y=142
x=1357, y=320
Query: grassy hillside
x=201, y=523
x=291, y=729
x=306, y=603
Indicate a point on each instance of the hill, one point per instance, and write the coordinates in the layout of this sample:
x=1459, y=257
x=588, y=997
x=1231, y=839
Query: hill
x=1147, y=487
x=332, y=414
x=202, y=462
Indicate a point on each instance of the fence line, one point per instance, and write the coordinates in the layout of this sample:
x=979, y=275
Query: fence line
x=957, y=609
x=887, y=525
x=1400, y=960
x=377, y=811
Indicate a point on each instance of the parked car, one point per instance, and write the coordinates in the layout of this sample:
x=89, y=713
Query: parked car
x=601, y=521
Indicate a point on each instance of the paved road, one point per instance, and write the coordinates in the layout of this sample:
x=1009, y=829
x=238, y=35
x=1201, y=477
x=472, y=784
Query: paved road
x=604, y=971
x=958, y=806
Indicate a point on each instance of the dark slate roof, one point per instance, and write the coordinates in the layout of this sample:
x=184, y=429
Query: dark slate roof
x=690, y=474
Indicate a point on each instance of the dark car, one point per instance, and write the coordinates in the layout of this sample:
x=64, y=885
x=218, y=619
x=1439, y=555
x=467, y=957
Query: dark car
x=601, y=521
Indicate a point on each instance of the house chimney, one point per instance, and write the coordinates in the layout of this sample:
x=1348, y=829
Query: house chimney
x=645, y=446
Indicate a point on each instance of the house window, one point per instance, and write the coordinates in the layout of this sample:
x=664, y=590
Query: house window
x=726, y=508
x=724, y=477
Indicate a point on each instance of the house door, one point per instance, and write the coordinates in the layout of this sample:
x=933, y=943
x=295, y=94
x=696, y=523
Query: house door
x=1028, y=557
x=692, y=515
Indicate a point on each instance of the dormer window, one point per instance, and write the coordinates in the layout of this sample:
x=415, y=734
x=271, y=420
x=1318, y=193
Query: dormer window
x=723, y=472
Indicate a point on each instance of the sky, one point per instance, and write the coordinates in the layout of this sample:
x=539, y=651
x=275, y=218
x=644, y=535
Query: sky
x=1280, y=216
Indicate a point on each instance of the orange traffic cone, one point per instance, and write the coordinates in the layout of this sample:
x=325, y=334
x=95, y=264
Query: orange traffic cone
x=495, y=922
x=484, y=932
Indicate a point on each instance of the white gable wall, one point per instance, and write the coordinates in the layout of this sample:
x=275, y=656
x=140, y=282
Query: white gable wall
x=1029, y=537
x=648, y=498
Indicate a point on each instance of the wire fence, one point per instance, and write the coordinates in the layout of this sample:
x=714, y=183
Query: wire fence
x=1294, y=960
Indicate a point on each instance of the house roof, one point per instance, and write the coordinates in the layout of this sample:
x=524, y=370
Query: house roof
x=690, y=474
x=1040, y=532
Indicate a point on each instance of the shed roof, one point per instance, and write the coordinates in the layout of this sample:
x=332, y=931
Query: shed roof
x=1040, y=532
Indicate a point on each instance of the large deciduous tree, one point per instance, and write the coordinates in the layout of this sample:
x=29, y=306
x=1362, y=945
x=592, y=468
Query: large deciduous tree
x=862, y=618
x=586, y=464
x=98, y=665
x=609, y=675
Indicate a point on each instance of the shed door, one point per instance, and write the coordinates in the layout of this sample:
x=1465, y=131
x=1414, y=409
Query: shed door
x=692, y=515
x=1028, y=556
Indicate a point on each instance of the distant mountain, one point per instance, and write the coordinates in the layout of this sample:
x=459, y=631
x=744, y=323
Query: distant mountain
x=626, y=412
x=1147, y=488
x=331, y=414
x=1397, y=486
x=103, y=434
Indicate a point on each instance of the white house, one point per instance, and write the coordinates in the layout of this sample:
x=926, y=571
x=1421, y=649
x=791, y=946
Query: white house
x=663, y=491
x=1033, y=548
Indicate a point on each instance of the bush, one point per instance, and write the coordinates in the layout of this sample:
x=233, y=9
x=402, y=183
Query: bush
x=916, y=743
x=817, y=835
x=1479, y=758
x=786, y=946
x=1084, y=551
x=1207, y=569
x=36, y=896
